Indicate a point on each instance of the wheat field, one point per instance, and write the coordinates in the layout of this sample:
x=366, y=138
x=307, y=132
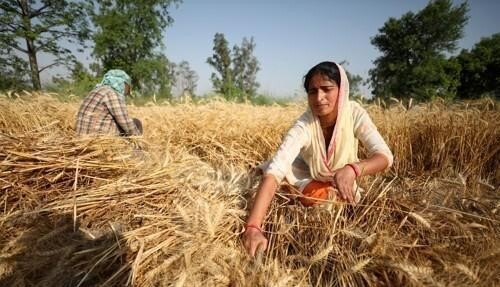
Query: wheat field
x=99, y=212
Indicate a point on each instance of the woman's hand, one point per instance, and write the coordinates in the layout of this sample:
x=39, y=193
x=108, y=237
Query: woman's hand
x=254, y=240
x=343, y=179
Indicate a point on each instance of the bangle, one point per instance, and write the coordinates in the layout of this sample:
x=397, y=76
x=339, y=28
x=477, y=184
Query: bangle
x=253, y=226
x=355, y=167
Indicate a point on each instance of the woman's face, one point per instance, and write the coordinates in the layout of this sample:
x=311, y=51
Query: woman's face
x=322, y=95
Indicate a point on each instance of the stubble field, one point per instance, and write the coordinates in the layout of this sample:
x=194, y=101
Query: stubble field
x=95, y=212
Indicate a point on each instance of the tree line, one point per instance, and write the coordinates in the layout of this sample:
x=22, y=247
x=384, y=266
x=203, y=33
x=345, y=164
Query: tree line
x=416, y=59
x=123, y=34
x=414, y=62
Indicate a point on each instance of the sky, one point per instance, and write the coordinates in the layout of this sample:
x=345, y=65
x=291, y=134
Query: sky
x=291, y=36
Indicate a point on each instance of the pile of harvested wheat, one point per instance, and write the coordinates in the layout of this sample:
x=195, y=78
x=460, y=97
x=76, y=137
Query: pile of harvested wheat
x=90, y=212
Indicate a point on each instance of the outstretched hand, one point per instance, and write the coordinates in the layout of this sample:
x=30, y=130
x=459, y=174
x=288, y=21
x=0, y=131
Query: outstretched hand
x=254, y=240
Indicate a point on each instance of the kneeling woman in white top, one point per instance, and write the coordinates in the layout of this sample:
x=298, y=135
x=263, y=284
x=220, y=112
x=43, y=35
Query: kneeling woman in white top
x=319, y=153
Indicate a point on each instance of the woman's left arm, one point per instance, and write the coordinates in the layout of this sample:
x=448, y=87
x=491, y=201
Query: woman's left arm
x=380, y=156
x=344, y=177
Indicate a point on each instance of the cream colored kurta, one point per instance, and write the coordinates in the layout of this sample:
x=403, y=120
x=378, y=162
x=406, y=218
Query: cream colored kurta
x=303, y=155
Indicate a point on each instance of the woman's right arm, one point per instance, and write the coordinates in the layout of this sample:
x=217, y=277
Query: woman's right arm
x=253, y=237
x=118, y=108
x=294, y=140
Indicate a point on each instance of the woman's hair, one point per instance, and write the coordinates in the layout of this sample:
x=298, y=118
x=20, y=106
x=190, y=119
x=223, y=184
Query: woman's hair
x=328, y=69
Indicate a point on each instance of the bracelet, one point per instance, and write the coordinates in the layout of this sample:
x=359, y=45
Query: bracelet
x=355, y=168
x=253, y=226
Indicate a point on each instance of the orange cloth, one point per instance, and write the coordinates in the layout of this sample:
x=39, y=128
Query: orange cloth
x=315, y=190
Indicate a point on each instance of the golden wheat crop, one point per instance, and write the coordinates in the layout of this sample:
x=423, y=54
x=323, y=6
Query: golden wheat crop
x=96, y=212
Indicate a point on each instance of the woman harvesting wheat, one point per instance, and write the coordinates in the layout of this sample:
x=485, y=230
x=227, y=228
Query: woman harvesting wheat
x=319, y=153
x=104, y=111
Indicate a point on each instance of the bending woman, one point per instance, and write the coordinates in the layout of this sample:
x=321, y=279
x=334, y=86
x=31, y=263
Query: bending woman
x=104, y=111
x=319, y=153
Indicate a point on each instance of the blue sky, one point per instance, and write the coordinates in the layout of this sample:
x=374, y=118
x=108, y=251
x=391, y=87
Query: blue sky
x=294, y=35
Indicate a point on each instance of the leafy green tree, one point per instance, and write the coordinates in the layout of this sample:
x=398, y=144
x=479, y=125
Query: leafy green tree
x=480, y=73
x=245, y=68
x=156, y=76
x=186, y=79
x=31, y=27
x=221, y=62
x=13, y=71
x=79, y=82
x=236, y=70
x=355, y=81
x=128, y=36
x=413, y=62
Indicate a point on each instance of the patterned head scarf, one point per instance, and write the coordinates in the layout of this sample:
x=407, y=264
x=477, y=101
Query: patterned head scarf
x=115, y=79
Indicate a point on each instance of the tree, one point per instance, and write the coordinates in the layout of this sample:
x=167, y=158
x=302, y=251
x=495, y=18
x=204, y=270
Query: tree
x=185, y=77
x=245, y=66
x=79, y=82
x=480, y=69
x=413, y=62
x=354, y=80
x=236, y=71
x=128, y=36
x=157, y=76
x=221, y=62
x=13, y=70
x=34, y=27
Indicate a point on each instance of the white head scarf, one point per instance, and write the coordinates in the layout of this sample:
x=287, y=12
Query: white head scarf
x=343, y=146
